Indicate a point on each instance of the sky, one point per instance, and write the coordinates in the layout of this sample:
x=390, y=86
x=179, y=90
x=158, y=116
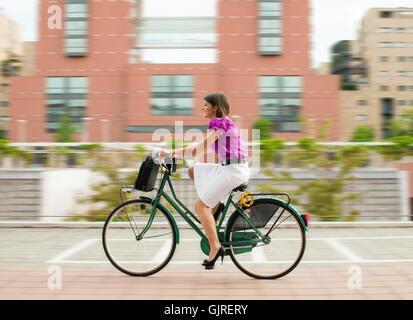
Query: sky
x=332, y=20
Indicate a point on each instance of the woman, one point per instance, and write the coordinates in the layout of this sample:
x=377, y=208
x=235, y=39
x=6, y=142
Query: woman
x=215, y=181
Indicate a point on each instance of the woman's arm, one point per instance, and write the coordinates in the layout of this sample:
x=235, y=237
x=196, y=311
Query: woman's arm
x=194, y=151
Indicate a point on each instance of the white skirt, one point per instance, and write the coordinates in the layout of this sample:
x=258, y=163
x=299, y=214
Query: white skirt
x=214, y=182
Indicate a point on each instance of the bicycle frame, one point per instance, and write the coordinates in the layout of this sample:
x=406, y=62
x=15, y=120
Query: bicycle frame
x=189, y=217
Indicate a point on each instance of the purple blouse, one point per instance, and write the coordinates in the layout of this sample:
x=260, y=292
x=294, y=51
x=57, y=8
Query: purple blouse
x=229, y=145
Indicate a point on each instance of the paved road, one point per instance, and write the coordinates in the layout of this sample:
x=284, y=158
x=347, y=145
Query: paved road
x=339, y=263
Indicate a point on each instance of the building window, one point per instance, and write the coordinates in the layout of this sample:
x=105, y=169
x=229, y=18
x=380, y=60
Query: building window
x=362, y=102
x=384, y=88
x=269, y=27
x=66, y=96
x=151, y=129
x=384, y=59
x=4, y=103
x=76, y=27
x=401, y=88
x=172, y=94
x=401, y=102
x=387, y=114
x=385, y=30
x=361, y=117
x=386, y=14
x=385, y=44
x=280, y=101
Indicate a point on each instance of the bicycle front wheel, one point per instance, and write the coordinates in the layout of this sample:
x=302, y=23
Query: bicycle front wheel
x=282, y=248
x=128, y=248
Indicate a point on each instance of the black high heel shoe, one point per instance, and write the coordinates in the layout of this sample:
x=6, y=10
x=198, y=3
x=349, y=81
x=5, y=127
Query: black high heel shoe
x=210, y=264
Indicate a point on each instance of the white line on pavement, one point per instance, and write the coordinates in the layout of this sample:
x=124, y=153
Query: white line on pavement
x=162, y=252
x=230, y=262
x=60, y=258
x=258, y=255
x=333, y=242
x=345, y=251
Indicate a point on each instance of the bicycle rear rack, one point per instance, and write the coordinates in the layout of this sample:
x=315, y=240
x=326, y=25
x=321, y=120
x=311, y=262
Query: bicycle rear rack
x=273, y=194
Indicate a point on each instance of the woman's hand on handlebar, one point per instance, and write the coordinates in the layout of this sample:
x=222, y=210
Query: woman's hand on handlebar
x=162, y=153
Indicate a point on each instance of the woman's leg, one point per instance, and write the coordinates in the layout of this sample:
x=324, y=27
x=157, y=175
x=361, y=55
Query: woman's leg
x=208, y=223
x=214, y=209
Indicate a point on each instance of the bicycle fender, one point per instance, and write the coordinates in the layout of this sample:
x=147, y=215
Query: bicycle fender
x=300, y=218
x=297, y=213
x=166, y=210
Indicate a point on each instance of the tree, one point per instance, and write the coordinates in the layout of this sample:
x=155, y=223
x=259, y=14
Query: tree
x=105, y=194
x=265, y=127
x=6, y=150
x=363, y=134
x=402, y=146
x=402, y=126
x=65, y=129
x=325, y=195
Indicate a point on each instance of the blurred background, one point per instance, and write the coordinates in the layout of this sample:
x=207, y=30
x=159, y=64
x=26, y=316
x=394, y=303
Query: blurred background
x=84, y=85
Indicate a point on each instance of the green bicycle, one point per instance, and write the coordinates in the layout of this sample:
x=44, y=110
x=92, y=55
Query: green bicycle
x=264, y=236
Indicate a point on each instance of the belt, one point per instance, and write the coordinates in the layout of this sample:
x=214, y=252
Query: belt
x=232, y=161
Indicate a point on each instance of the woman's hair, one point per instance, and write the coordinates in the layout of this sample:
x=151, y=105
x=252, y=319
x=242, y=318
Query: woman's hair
x=220, y=100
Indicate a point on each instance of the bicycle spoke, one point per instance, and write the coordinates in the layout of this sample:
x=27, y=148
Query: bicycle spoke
x=276, y=226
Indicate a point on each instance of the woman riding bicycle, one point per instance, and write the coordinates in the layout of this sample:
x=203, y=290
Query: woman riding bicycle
x=215, y=181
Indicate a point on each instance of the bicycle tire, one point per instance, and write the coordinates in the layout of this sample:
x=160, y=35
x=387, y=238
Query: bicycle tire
x=109, y=244
x=244, y=261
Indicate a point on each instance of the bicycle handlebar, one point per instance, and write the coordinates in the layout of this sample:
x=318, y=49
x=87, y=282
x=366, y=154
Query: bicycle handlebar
x=167, y=162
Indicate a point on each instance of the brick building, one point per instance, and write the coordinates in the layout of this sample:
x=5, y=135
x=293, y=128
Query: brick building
x=10, y=51
x=377, y=68
x=97, y=67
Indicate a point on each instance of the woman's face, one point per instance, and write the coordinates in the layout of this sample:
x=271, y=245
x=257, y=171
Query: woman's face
x=209, y=111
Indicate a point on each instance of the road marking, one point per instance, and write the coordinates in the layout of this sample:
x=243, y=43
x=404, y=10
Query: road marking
x=351, y=257
x=162, y=252
x=258, y=255
x=363, y=238
x=345, y=251
x=230, y=262
x=60, y=258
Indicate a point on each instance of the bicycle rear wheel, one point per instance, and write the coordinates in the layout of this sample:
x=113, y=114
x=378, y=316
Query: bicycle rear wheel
x=281, y=251
x=130, y=251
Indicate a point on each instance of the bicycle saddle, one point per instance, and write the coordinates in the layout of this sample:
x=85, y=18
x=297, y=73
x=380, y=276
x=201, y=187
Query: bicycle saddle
x=241, y=187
